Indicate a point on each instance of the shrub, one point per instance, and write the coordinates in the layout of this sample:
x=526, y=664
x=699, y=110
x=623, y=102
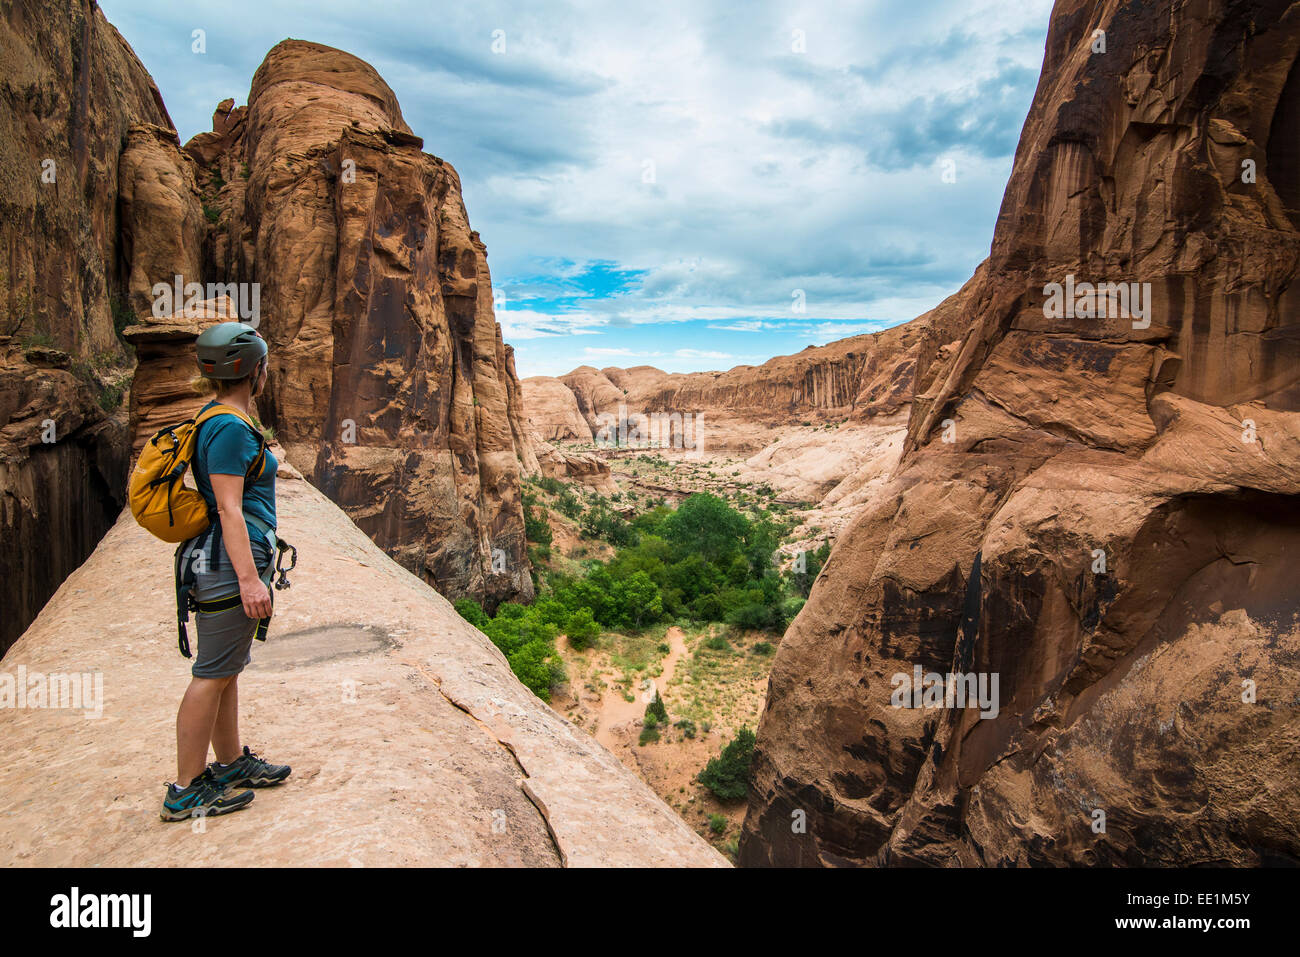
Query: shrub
x=727, y=775
x=581, y=629
x=718, y=643
x=791, y=607
x=707, y=608
x=110, y=397
x=763, y=648
x=122, y=315
x=536, y=528
x=604, y=524
x=568, y=504
x=805, y=571
x=656, y=712
x=756, y=617
x=717, y=823
x=687, y=727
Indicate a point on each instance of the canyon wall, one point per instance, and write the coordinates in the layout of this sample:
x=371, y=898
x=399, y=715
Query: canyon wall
x=1100, y=511
x=72, y=90
x=856, y=378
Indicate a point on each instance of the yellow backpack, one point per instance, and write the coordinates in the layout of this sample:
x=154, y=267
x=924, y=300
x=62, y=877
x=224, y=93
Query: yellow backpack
x=160, y=500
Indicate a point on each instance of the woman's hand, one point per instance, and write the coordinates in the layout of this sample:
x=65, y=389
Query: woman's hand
x=256, y=598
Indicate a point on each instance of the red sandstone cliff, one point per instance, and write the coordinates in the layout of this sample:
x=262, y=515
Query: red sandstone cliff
x=1111, y=527
x=72, y=89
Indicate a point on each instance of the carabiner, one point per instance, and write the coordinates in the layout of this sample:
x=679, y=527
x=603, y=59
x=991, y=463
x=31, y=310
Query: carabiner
x=283, y=581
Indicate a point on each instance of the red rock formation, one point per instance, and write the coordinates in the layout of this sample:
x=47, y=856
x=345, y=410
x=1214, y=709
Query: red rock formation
x=162, y=223
x=552, y=410
x=1111, y=525
x=72, y=89
x=581, y=467
x=390, y=385
x=857, y=378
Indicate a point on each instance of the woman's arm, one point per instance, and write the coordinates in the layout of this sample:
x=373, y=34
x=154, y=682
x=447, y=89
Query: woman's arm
x=229, y=493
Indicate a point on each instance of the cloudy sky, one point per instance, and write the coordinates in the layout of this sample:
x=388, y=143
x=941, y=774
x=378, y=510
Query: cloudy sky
x=688, y=185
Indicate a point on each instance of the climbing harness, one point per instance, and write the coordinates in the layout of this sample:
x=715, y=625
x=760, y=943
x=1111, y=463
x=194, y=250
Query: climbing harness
x=192, y=554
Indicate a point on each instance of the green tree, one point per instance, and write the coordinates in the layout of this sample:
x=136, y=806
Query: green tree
x=472, y=612
x=655, y=709
x=638, y=600
x=706, y=525
x=581, y=629
x=727, y=775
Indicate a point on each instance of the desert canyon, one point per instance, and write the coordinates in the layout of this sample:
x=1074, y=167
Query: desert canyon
x=1099, y=509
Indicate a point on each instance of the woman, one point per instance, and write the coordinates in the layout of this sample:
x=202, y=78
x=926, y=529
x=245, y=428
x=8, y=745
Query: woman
x=238, y=549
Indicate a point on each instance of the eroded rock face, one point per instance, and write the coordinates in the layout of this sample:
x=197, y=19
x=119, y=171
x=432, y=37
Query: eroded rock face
x=552, y=410
x=72, y=90
x=389, y=386
x=568, y=466
x=1097, y=511
x=62, y=477
x=162, y=224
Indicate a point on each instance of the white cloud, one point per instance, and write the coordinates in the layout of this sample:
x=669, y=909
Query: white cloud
x=772, y=171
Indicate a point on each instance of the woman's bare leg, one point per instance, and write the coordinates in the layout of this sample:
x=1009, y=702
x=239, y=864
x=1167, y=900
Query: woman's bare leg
x=195, y=723
x=225, y=731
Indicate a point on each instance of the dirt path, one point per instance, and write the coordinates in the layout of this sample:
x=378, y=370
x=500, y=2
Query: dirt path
x=614, y=710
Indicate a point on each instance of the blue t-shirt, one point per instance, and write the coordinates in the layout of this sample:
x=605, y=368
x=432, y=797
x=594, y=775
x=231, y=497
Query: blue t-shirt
x=227, y=446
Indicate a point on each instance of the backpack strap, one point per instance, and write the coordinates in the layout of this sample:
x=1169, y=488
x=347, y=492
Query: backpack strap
x=186, y=579
x=259, y=462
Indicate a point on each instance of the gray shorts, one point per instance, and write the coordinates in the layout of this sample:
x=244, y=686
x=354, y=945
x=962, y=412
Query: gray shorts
x=226, y=637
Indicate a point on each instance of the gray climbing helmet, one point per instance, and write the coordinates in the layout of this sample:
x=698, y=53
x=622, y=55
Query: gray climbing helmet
x=229, y=350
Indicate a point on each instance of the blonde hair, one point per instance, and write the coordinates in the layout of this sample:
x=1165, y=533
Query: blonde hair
x=202, y=385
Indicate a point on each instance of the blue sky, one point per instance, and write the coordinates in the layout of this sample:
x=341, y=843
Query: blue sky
x=689, y=185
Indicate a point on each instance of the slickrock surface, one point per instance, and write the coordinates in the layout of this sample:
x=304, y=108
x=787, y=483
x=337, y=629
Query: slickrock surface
x=411, y=742
x=1158, y=689
x=72, y=88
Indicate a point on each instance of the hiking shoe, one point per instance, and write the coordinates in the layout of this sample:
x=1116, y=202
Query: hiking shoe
x=248, y=770
x=203, y=798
